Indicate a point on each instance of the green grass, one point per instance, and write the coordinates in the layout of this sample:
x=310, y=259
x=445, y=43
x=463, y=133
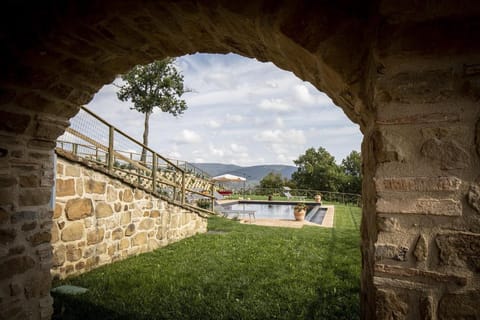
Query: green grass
x=239, y=271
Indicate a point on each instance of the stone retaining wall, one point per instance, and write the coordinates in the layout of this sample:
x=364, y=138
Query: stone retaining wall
x=98, y=220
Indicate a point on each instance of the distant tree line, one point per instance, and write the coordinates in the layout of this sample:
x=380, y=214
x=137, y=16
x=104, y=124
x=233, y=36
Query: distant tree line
x=317, y=170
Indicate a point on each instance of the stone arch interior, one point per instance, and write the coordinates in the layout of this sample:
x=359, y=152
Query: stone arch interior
x=389, y=66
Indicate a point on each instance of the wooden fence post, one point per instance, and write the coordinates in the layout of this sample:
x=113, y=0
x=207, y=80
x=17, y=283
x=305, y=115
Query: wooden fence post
x=183, y=188
x=154, y=172
x=111, y=133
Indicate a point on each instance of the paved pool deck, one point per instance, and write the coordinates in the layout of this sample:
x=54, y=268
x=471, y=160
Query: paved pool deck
x=291, y=223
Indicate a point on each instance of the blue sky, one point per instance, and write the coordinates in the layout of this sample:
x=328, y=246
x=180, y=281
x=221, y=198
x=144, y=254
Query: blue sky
x=241, y=111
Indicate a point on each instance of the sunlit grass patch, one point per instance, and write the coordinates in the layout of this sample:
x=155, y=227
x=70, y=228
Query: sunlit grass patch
x=238, y=271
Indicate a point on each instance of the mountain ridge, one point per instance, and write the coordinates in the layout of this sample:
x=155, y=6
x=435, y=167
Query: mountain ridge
x=253, y=173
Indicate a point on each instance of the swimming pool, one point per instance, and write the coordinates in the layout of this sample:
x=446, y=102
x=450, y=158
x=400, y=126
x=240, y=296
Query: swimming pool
x=315, y=213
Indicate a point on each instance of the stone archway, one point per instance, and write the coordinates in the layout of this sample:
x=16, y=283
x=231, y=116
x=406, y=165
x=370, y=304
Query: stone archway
x=409, y=75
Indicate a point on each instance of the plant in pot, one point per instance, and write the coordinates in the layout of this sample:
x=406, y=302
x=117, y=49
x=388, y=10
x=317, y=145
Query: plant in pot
x=299, y=211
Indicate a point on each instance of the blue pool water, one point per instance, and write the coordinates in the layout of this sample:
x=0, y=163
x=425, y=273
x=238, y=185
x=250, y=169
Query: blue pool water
x=278, y=211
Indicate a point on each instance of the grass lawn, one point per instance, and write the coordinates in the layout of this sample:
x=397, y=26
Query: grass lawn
x=236, y=271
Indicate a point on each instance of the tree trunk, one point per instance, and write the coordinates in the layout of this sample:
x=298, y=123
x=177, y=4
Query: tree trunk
x=145, y=137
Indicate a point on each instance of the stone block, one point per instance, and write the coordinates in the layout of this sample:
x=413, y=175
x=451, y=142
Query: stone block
x=73, y=231
x=459, y=249
x=127, y=195
x=111, y=194
x=139, y=239
x=7, y=181
x=44, y=253
x=390, y=251
x=7, y=196
x=387, y=224
x=146, y=224
x=137, y=213
x=124, y=244
x=95, y=236
x=103, y=210
x=14, y=122
x=49, y=127
x=78, y=208
x=16, y=250
x=79, y=187
x=427, y=308
x=421, y=249
x=55, y=233
x=34, y=197
x=72, y=171
x=117, y=234
x=473, y=196
x=69, y=269
x=73, y=253
x=39, y=238
x=418, y=184
x=93, y=186
x=390, y=306
x=422, y=87
x=459, y=306
x=153, y=244
x=15, y=265
x=117, y=206
x=80, y=265
x=60, y=168
x=57, y=212
x=130, y=230
x=29, y=181
x=448, y=153
x=441, y=207
x=126, y=218
x=154, y=214
x=43, y=144
x=387, y=148
x=65, y=187
x=101, y=248
x=138, y=194
x=7, y=236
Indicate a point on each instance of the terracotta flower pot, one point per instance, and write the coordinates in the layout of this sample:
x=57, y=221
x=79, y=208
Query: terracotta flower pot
x=299, y=214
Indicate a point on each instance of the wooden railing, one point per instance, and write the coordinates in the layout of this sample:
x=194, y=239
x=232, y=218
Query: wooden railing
x=94, y=140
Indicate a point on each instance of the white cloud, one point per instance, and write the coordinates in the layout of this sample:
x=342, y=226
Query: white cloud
x=282, y=136
x=303, y=95
x=279, y=122
x=274, y=105
x=213, y=124
x=234, y=118
x=216, y=151
x=238, y=148
x=271, y=84
x=187, y=136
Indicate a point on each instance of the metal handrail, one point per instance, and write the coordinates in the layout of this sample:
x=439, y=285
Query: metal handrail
x=149, y=174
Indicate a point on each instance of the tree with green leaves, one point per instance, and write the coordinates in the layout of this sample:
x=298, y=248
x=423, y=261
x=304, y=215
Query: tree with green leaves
x=317, y=170
x=155, y=85
x=352, y=168
x=272, y=180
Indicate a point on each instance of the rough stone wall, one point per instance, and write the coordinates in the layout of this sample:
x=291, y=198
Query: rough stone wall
x=424, y=168
x=98, y=220
x=405, y=71
x=26, y=183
